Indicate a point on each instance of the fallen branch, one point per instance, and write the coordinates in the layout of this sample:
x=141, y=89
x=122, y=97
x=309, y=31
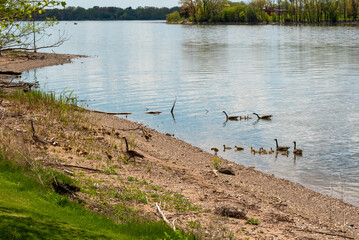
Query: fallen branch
x=165, y=219
x=324, y=233
x=174, y=104
x=109, y=113
x=10, y=72
x=75, y=166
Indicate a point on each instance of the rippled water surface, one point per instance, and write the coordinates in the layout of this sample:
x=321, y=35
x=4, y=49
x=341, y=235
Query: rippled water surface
x=306, y=76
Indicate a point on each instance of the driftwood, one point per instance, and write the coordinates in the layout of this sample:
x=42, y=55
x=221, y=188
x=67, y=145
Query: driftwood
x=153, y=112
x=22, y=85
x=226, y=170
x=324, y=233
x=74, y=166
x=10, y=73
x=165, y=219
x=85, y=168
x=109, y=113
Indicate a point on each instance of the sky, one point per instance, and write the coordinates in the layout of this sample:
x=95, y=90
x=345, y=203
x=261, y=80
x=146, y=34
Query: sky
x=122, y=3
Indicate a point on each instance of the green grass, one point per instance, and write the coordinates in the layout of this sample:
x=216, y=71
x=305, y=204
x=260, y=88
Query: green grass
x=30, y=210
x=252, y=221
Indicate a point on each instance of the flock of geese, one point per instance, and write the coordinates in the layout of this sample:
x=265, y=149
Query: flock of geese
x=279, y=149
x=236, y=118
x=284, y=150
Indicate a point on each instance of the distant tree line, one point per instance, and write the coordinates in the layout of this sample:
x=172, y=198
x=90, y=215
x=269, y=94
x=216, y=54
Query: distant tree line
x=259, y=11
x=107, y=13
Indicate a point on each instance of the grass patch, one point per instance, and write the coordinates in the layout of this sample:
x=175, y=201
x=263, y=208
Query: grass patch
x=31, y=210
x=252, y=221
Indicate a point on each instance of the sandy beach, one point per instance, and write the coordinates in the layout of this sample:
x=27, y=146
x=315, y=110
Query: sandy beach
x=247, y=205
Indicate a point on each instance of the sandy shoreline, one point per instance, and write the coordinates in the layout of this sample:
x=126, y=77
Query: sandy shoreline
x=20, y=62
x=285, y=210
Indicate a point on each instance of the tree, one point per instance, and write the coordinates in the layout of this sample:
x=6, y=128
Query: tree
x=202, y=10
x=17, y=26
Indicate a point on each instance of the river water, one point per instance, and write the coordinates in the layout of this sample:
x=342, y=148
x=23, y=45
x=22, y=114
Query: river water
x=307, y=77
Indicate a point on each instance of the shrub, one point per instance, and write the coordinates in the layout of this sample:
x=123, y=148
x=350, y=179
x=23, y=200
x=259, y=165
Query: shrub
x=174, y=17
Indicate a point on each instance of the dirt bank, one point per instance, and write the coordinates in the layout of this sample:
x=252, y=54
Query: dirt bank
x=90, y=147
x=12, y=63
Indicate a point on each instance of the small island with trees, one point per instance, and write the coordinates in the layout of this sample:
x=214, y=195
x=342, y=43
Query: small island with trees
x=266, y=12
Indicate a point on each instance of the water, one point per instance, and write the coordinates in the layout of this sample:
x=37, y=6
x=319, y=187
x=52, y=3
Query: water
x=306, y=76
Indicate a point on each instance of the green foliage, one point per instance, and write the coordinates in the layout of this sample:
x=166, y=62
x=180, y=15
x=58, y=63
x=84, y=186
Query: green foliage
x=31, y=210
x=174, y=17
x=178, y=236
x=264, y=11
x=216, y=162
x=233, y=14
x=252, y=221
x=252, y=14
x=132, y=179
x=107, y=13
x=21, y=35
x=133, y=194
x=194, y=225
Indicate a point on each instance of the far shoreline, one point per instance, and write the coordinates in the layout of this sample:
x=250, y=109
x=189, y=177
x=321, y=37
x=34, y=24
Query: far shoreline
x=344, y=23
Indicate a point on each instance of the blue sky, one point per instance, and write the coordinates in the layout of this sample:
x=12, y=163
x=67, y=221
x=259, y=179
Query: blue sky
x=122, y=3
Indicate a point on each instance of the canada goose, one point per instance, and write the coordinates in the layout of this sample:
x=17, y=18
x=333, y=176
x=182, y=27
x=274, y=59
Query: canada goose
x=238, y=148
x=34, y=136
x=131, y=153
x=230, y=117
x=226, y=148
x=280, y=148
x=297, y=150
x=267, y=117
x=215, y=150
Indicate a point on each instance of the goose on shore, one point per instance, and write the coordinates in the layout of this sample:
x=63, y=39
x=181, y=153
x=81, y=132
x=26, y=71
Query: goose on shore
x=266, y=117
x=36, y=138
x=280, y=148
x=215, y=150
x=230, y=117
x=297, y=150
x=131, y=153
